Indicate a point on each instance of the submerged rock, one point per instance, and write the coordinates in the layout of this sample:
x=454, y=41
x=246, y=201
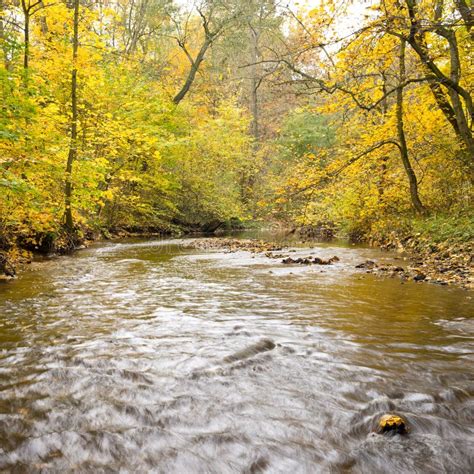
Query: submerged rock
x=419, y=277
x=263, y=345
x=368, y=265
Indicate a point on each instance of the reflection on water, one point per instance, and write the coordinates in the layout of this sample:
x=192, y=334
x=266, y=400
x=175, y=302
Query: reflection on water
x=113, y=358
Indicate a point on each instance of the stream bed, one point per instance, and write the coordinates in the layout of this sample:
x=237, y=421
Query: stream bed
x=116, y=359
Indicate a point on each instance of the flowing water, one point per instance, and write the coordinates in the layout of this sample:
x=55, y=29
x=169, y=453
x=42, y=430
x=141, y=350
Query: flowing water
x=113, y=360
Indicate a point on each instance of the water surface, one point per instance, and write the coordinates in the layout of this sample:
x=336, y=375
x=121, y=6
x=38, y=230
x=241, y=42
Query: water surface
x=112, y=359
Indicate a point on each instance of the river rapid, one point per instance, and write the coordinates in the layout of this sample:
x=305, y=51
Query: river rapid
x=116, y=359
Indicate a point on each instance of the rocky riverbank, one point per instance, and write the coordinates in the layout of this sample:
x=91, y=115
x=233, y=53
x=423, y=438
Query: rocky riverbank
x=445, y=262
x=441, y=264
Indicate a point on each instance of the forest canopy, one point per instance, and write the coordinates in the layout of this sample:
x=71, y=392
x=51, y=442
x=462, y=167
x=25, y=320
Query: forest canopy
x=166, y=115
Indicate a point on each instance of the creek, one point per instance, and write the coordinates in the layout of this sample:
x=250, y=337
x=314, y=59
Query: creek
x=116, y=358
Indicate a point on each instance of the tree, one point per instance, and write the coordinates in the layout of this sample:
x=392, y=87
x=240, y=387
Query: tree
x=402, y=143
x=453, y=98
x=72, y=155
x=215, y=18
x=378, y=98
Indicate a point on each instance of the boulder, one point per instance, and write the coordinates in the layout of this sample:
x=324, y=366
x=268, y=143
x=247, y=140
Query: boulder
x=392, y=424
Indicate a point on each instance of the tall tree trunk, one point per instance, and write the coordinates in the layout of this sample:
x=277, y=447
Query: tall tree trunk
x=43, y=20
x=72, y=156
x=415, y=198
x=384, y=159
x=26, y=37
x=455, y=76
x=26, y=54
x=193, y=71
x=26, y=34
x=254, y=107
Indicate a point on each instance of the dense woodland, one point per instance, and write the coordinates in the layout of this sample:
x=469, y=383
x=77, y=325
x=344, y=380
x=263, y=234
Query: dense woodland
x=164, y=115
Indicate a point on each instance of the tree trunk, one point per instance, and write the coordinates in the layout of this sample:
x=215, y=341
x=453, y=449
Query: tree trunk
x=467, y=14
x=193, y=71
x=460, y=112
x=384, y=159
x=43, y=20
x=254, y=107
x=461, y=118
x=72, y=155
x=26, y=39
x=415, y=198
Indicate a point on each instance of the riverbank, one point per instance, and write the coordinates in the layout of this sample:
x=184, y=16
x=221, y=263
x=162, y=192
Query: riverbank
x=441, y=264
x=422, y=258
x=440, y=248
x=17, y=252
x=421, y=261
